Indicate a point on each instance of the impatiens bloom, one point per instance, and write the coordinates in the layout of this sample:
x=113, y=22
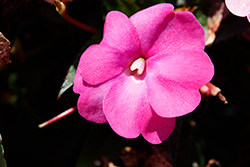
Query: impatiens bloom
x=239, y=7
x=146, y=71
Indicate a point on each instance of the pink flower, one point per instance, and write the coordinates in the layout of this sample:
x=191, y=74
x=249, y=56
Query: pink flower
x=239, y=7
x=146, y=71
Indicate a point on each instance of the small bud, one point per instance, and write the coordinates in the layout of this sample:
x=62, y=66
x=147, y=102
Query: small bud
x=60, y=7
x=211, y=90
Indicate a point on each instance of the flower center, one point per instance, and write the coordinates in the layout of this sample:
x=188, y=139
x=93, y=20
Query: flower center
x=138, y=65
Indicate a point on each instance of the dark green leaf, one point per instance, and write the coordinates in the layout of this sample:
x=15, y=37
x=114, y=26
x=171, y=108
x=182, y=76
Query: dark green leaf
x=201, y=17
x=69, y=80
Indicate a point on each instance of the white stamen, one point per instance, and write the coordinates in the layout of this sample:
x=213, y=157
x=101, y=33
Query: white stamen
x=139, y=65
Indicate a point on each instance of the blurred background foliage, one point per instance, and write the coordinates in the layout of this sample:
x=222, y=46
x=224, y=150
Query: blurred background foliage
x=44, y=46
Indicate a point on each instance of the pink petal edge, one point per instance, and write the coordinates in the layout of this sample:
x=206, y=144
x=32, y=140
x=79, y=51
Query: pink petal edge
x=119, y=48
x=248, y=17
x=158, y=129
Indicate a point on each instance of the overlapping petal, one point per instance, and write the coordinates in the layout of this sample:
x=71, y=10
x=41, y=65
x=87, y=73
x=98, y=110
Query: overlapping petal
x=150, y=23
x=91, y=107
x=171, y=99
x=119, y=47
x=90, y=102
x=126, y=107
x=192, y=68
x=158, y=129
x=78, y=83
x=182, y=32
x=160, y=27
x=174, y=80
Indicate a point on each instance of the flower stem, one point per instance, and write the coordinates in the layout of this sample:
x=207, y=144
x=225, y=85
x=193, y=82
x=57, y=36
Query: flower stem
x=62, y=10
x=56, y=118
x=79, y=24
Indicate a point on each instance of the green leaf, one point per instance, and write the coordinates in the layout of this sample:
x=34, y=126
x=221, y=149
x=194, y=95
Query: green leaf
x=201, y=17
x=199, y=146
x=69, y=80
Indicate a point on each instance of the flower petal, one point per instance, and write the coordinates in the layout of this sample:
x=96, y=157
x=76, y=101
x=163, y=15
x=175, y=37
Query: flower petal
x=248, y=17
x=174, y=80
x=78, y=83
x=90, y=102
x=192, y=68
x=158, y=129
x=151, y=22
x=239, y=7
x=119, y=48
x=170, y=99
x=91, y=107
x=126, y=107
x=183, y=26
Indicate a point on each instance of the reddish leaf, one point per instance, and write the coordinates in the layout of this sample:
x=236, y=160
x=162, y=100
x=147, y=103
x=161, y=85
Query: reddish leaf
x=4, y=49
